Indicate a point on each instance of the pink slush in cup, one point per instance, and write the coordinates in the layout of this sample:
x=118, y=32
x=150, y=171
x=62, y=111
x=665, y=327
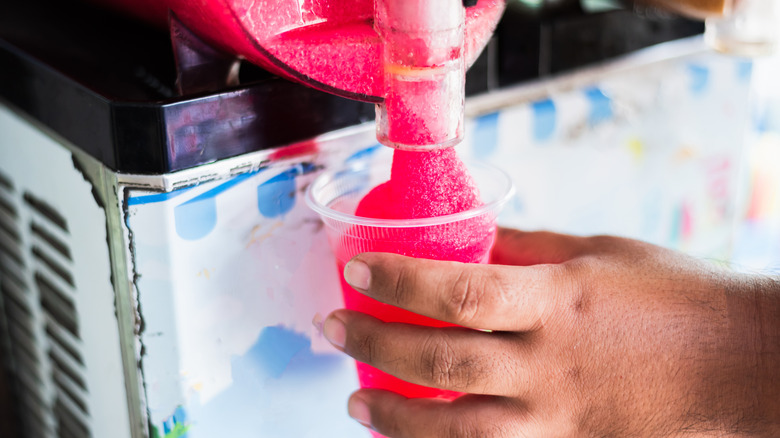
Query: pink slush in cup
x=464, y=237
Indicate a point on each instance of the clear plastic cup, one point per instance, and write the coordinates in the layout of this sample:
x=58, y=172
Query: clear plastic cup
x=465, y=237
x=752, y=28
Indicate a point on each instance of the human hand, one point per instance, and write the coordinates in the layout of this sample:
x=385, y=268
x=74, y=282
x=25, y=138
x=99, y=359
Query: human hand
x=598, y=336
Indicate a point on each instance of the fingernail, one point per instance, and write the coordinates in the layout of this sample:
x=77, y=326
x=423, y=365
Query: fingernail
x=357, y=274
x=335, y=331
x=358, y=410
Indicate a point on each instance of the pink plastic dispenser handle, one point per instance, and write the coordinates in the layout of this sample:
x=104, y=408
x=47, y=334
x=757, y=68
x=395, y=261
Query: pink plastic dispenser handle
x=330, y=45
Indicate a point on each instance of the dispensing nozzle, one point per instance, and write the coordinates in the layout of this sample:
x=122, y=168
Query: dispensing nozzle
x=424, y=73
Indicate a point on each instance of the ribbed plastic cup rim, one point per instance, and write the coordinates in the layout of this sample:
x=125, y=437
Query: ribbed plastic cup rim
x=327, y=212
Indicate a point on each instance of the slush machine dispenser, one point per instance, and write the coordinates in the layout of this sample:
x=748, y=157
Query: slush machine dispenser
x=158, y=269
x=409, y=57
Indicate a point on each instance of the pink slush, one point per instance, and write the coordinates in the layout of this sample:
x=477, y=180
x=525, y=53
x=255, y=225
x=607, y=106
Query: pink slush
x=451, y=220
x=369, y=376
x=421, y=185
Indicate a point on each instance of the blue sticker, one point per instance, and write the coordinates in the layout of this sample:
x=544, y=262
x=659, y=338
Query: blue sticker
x=179, y=415
x=275, y=348
x=196, y=218
x=174, y=426
x=485, y=137
x=363, y=153
x=760, y=119
x=543, y=119
x=744, y=70
x=168, y=425
x=275, y=385
x=600, y=106
x=306, y=168
x=157, y=197
x=699, y=76
x=276, y=196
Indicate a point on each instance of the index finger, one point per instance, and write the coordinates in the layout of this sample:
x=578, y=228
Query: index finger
x=491, y=297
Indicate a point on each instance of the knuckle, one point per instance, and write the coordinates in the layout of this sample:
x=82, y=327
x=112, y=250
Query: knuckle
x=573, y=375
x=498, y=430
x=459, y=428
x=443, y=367
x=601, y=242
x=555, y=284
x=437, y=362
x=403, y=286
x=576, y=288
x=365, y=348
x=464, y=298
x=467, y=426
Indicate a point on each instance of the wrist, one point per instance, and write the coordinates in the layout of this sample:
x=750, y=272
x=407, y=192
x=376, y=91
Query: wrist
x=754, y=325
x=768, y=326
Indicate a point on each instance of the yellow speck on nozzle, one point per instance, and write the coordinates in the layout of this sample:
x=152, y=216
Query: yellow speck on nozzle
x=418, y=73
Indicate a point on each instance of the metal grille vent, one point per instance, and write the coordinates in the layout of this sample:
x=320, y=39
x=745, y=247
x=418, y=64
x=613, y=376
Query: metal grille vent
x=51, y=266
x=20, y=316
x=38, y=291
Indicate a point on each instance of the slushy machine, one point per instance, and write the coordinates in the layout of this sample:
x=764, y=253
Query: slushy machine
x=159, y=270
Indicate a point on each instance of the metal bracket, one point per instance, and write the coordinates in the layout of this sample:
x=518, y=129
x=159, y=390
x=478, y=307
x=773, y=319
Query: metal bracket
x=199, y=66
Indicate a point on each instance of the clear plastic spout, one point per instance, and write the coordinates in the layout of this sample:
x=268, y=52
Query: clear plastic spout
x=423, y=58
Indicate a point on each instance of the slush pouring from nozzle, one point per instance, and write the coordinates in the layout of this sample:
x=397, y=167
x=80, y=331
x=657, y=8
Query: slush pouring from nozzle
x=424, y=73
